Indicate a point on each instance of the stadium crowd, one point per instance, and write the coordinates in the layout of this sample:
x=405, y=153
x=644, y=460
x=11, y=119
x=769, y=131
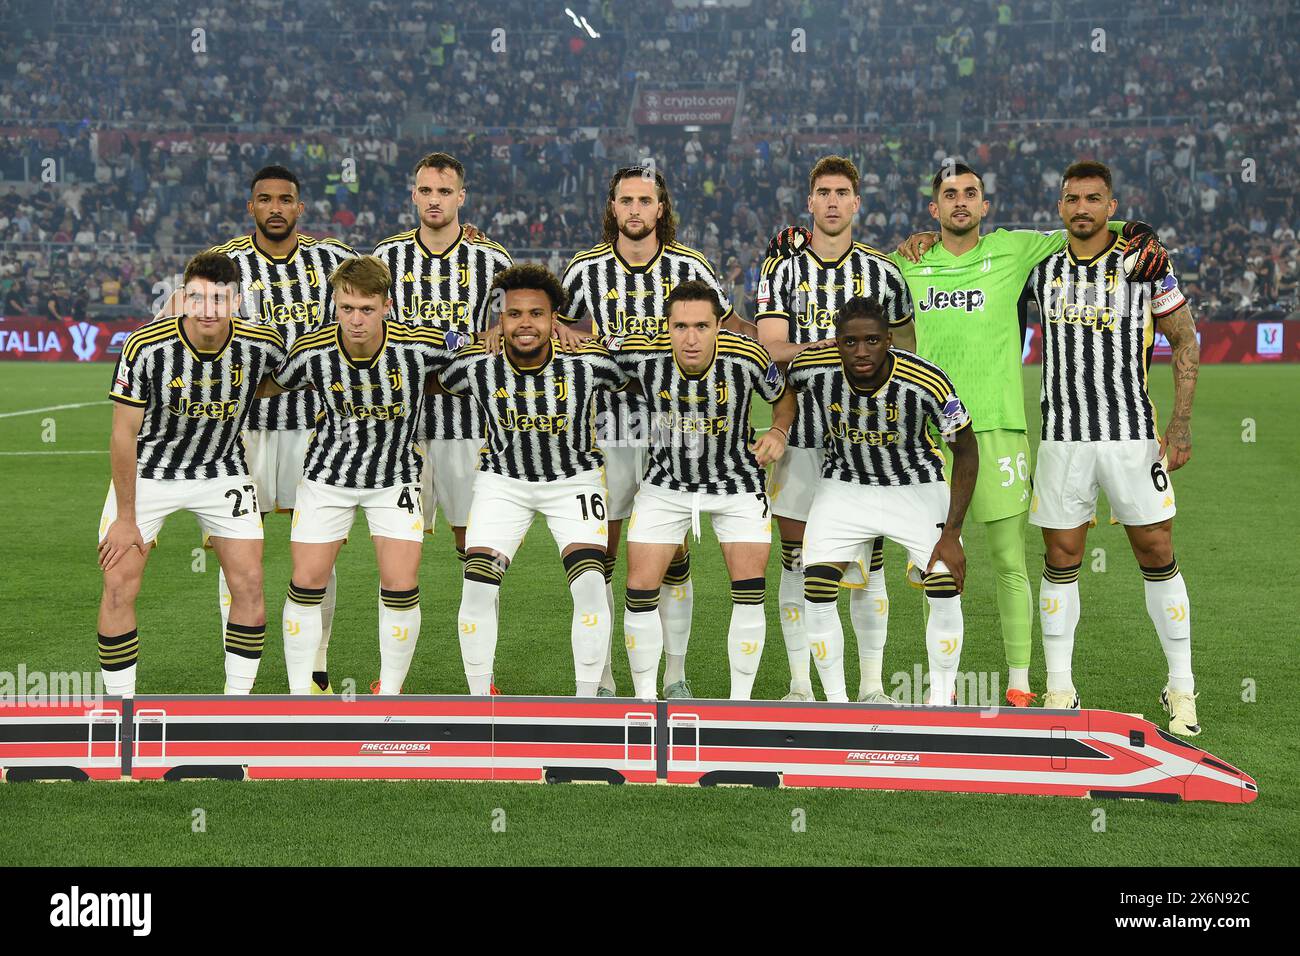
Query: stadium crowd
x=111, y=95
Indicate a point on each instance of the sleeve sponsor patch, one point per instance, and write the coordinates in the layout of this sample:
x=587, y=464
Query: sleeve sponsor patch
x=953, y=417
x=772, y=375
x=764, y=293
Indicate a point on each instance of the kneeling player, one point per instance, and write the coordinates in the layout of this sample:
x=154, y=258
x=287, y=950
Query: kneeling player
x=540, y=458
x=183, y=387
x=370, y=374
x=700, y=381
x=883, y=475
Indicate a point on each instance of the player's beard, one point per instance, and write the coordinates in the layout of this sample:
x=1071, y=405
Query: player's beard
x=427, y=218
x=1085, y=230
x=277, y=233
x=960, y=230
x=833, y=230
x=633, y=235
x=534, y=355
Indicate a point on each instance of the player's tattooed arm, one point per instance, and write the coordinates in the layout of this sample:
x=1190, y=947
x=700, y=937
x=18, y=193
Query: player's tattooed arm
x=123, y=534
x=965, y=467
x=917, y=244
x=771, y=444
x=1180, y=329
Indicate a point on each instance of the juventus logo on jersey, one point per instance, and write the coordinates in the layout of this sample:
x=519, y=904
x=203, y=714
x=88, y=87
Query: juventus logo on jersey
x=723, y=393
x=859, y=285
x=313, y=277
x=562, y=388
x=462, y=275
x=395, y=380
x=237, y=374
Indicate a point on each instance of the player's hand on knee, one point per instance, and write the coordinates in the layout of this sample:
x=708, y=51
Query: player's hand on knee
x=570, y=339
x=951, y=553
x=916, y=245
x=491, y=339
x=122, y=537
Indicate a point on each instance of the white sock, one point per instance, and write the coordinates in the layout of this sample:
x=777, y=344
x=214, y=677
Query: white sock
x=676, y=608
x=477, y=624
x=643, y=636
x=745, y=638
x=869, y=612
x=301, y=624
x=943, y=640
x=1058, y=617
x=326, y=622
x=607, y=674
x=399, y=630
x=589, y=629
x=243, y=655
x=1171, y=613
x=223, y=598
x=1018, y=678
x=826, y=639
x=794, y=631
x=119, y=682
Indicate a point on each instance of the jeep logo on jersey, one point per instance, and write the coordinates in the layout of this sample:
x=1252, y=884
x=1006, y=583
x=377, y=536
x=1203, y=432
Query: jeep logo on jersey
x=968, y=300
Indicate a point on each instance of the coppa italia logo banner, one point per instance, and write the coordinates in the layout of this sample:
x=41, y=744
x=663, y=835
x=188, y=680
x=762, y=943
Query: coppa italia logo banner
x=1221, y=343
x=31, y=338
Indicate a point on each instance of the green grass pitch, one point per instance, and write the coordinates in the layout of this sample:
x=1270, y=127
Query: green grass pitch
x=1240, y=562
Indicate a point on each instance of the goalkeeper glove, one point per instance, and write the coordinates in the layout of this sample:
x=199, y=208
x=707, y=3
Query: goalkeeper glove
x=1145, y=259
x=789, y=242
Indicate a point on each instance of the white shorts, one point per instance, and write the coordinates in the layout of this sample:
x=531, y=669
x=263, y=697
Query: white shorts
x=275, y=460
x=504, y=507
x=447, y=479
x=664, y=516
x=845, y=516
x=793, y=481
x=1068, y=475
x=624, y=468
x=225, y=507
x=325, y=513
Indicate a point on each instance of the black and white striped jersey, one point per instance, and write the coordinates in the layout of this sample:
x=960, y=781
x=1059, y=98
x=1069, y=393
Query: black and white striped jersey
x=365, y=434
x=881, y=437
x=699, y=424
x=291, y=294
x=807, y=292
x=1098, y=335
x=449, y=290
x=539, y=420
x=194, y=402
x=622, y=299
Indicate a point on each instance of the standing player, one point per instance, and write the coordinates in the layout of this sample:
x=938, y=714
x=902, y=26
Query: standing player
x=622, y=285
x=883, y=476
x=797, y=300
x=540, y=458
x=283, y=275
x=183, y=387
x=700, y=381
x=1099, y=431
x=965, y=291
x=370, y=374
x=440, y=280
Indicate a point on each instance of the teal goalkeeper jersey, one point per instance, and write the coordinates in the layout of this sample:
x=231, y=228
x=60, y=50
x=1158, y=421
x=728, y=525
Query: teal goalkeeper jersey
x=967, y=321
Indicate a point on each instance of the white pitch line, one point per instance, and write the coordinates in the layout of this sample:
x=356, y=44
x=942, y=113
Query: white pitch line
x=51, y=408
x=104, y=452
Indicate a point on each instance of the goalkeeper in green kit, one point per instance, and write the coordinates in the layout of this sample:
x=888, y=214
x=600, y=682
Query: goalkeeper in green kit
x=965, y=292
